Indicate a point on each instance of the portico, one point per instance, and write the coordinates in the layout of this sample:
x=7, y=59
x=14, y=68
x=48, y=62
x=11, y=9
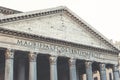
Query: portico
x=31, y=65
x=35, y=47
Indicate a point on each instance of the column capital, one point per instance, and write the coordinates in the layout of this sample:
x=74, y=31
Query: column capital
x=103, y=71
x=9, y=54
x=9, y=62
x=88, y=64
x=53, y=59
x=89, y=73
x=115, y=72
x=102, y=66
x=72, y=61
x=32, y=57
x=115, y=68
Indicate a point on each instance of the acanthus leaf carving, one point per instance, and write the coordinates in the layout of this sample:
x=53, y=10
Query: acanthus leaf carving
x=32, y=57
x=9, y=54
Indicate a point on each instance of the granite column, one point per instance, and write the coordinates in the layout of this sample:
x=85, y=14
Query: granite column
x=53, y=68
x=32, y=66
x=72, y=67
x=103, y=72
x=9, y=58
x=89, y=73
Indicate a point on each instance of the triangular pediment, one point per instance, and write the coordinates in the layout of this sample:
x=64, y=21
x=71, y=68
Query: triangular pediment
x=64, y=25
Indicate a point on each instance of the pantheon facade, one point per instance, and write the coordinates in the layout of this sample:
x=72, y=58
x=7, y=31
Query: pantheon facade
x=53, y=44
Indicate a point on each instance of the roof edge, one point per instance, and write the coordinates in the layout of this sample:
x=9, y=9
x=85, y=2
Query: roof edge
x=8, y=11
x=38, y=13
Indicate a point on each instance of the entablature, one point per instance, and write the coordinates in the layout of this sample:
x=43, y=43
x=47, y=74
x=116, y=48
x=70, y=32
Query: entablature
x=40, y=44
x=52, y=40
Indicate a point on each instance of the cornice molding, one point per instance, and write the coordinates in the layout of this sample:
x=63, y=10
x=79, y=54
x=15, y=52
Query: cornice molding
x=8, y=11
x=59, y=10
x=51, y=40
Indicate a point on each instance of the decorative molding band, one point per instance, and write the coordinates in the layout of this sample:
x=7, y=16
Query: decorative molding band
x=30, y=16
x=8, y=11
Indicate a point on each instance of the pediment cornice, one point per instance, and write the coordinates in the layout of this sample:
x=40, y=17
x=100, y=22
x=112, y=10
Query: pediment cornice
x=8, y=11
x=65, y=10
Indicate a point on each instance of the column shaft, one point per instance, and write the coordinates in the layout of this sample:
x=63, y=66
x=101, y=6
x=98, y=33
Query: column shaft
x=32, y=66
x=53, y=68
x=103, y=72
x=9, y=55
x=72, y=66
x=77, y=73
x=115, y=73
x=89, y=73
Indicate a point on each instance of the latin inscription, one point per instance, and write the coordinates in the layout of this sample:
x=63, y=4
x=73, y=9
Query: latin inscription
x=58, y=49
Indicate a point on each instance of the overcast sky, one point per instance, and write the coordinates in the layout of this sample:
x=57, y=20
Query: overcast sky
x=103, y=15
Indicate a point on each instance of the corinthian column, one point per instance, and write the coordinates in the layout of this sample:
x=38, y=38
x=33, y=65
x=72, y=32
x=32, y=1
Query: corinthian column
x=89, y=73
x=32, y=66
x=72, y=66
x=115, y=72
x=103, y=72
x=9, y=58
x=53, y=68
